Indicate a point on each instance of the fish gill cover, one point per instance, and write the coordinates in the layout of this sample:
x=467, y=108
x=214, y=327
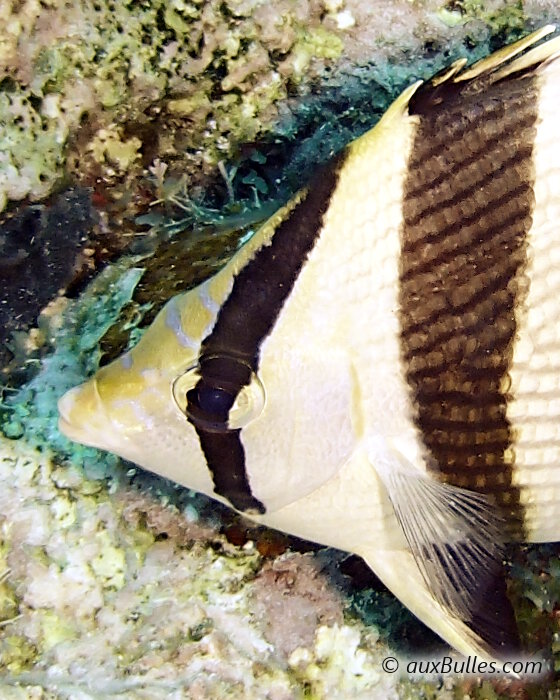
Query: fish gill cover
x=137, y=136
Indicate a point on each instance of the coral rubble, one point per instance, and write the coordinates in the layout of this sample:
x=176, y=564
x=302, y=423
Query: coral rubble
x=95, y=602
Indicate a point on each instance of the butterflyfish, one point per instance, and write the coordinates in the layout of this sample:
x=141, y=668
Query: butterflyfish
x=377, y=368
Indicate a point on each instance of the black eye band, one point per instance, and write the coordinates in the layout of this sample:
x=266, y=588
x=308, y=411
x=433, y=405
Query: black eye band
x=221, y=379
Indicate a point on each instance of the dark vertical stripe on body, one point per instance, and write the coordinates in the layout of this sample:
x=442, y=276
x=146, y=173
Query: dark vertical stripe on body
x=230, y=353
x=467, y=210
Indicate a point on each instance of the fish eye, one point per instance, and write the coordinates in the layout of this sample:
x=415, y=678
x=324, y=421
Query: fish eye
x=219, y=393
x=208, y=406
x=212, y=400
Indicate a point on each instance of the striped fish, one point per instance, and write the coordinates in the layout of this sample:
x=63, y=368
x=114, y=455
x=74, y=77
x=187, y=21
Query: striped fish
x=378, y=368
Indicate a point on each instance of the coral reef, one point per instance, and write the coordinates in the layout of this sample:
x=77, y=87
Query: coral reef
x=219, y=66
x=114, y=583
x=97, y=89
x=126, y=597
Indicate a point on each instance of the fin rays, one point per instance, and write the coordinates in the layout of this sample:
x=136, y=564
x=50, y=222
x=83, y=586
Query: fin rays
x=453, y=534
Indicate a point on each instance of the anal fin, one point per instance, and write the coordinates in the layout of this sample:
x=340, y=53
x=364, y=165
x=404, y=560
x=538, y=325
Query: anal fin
x=490, y=633
x=493, y=619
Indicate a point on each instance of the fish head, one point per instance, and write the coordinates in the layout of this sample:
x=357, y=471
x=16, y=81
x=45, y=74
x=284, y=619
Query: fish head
x=128, y=408
x=137, y=408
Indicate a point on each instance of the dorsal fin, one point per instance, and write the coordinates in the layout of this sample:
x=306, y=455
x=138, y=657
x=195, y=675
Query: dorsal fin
x=504, y=57
x=512, y=60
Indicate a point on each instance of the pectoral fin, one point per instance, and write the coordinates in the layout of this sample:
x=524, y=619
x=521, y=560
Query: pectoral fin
x=454, y=539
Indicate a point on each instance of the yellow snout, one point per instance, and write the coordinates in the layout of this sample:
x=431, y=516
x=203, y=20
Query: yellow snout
x=81, y=414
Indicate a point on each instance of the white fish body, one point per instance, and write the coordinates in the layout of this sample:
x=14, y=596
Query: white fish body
x=298, y=384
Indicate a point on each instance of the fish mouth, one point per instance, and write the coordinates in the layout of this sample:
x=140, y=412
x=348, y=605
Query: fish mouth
x=66, y=405
x=69, y=431
x=78, y=411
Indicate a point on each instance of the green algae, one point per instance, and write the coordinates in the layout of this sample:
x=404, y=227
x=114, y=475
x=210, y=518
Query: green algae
x=506, y=22
x=32, y=411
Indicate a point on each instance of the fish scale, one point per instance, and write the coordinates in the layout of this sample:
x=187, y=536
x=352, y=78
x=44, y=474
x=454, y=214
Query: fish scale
x=378, y=368
x=534, y=413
